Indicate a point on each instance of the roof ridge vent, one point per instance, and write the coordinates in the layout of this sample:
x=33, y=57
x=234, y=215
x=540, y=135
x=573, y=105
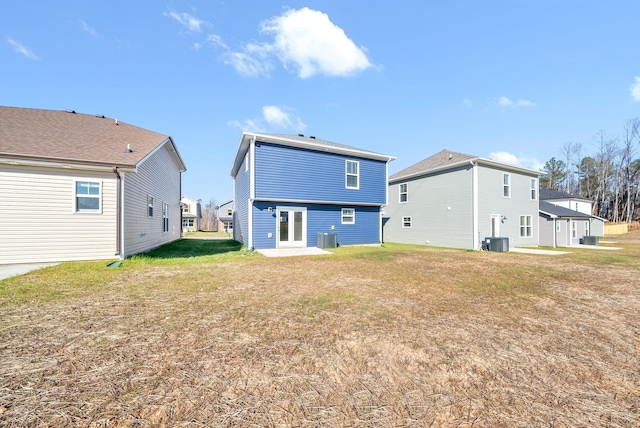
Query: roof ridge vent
x=100, y=116
x=70, y=111
x=300, y=135
x=311, y=136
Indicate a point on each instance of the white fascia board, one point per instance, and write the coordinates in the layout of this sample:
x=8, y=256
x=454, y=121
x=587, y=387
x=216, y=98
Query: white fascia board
x=322, y=147
x=172, y=150
x=479, y=161
x=549, y=214
x=63, y=165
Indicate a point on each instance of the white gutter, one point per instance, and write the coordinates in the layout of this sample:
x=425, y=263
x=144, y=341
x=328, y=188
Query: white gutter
x=65, y=165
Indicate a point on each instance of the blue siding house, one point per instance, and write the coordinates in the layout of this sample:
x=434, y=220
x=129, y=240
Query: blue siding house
x=289, y=188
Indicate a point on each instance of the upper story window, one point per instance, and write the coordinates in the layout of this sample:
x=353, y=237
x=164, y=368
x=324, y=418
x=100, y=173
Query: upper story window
x=185, y=208
x=534, y=189
x=229, y=211
x=506, y=185
x=348, y=216
x=404, y=196
x=353, y=174
x=149, y=206
x=88, y=196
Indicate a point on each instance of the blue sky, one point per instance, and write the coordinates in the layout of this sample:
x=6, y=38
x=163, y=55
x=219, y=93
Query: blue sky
x=509, y=79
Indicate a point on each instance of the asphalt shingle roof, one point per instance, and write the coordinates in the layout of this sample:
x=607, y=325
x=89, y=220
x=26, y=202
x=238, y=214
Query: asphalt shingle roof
x=59, y=135
x=547, y=194
x=440, y=159
x=559, y=211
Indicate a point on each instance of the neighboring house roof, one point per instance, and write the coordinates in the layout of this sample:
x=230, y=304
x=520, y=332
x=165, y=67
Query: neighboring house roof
x=556, y=211
x=226, y=203
x=72, y=138
x=550, y=194
x=311, y=143
x=447, y=159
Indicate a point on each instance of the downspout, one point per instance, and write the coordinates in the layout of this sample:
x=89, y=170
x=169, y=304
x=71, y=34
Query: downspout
x=474, y=187
x=252, y=188
x=118, y=211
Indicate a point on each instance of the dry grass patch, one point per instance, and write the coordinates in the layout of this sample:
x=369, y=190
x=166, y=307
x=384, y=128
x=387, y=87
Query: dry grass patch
x=369, y=336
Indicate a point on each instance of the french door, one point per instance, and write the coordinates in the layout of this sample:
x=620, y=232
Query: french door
x=291, y=226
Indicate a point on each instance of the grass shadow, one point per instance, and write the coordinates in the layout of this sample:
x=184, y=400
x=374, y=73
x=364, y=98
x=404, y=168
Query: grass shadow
x=186, y=248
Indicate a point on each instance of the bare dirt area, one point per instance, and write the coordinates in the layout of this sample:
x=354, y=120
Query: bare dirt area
x=372, y=337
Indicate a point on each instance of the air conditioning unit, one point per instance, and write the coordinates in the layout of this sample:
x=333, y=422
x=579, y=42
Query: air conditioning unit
x=590, y=240
x=498, y=244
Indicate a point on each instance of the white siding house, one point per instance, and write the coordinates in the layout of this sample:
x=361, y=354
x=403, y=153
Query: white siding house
x=77, y=187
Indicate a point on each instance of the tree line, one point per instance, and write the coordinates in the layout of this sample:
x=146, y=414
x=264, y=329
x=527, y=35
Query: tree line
x=610, y=177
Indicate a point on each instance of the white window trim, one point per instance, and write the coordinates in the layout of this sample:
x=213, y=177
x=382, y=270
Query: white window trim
x=342, y=215
x=246, y=162
x=400, y=193
x=165, y=217
x=527, y=228
x=77, y=210
x=574, y=229
x=558, y=226
x=404, y=222
x=347, y=174
x=506, y=185
x=151, y=201
x=534, y=189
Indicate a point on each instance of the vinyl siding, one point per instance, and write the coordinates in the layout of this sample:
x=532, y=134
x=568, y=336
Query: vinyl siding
x=292, y=173
x=320, y=219
x=241, y=213
x=158, y=176
x=38, y=222
x=440, y=207
x=492, y=202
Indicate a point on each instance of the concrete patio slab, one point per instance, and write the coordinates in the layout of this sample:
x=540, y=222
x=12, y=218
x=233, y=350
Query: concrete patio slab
x=290, y=252
x=7, y=271
x=536, y=251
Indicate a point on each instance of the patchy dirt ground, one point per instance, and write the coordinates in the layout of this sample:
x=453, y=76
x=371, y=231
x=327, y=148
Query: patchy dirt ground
x=386, y=337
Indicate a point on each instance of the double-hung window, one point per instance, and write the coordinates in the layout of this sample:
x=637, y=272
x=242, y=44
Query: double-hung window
x=404, y=194
x=348, y=216
x=352, y=174
x=525, y=226
x=506, y=185
x=406, y=222
x=534, y=189
x=149, y=206
x=165, y=217
x=88, y=197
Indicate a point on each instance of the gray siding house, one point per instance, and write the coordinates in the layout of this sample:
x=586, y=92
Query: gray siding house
x=565, y=219
x=456, y=200
x=84, y=187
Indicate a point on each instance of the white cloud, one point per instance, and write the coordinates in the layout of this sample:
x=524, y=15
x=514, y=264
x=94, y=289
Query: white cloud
x=635, y=89
x=305, y=40
x=308, y=40
x=273, y=117
x=187, y=20
x=467, y=103
x=506, y=102
x=22, y=49
x=277, y=117
x=216, y=40
x=511, y=159
x=247, y=65
x=87, y=28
